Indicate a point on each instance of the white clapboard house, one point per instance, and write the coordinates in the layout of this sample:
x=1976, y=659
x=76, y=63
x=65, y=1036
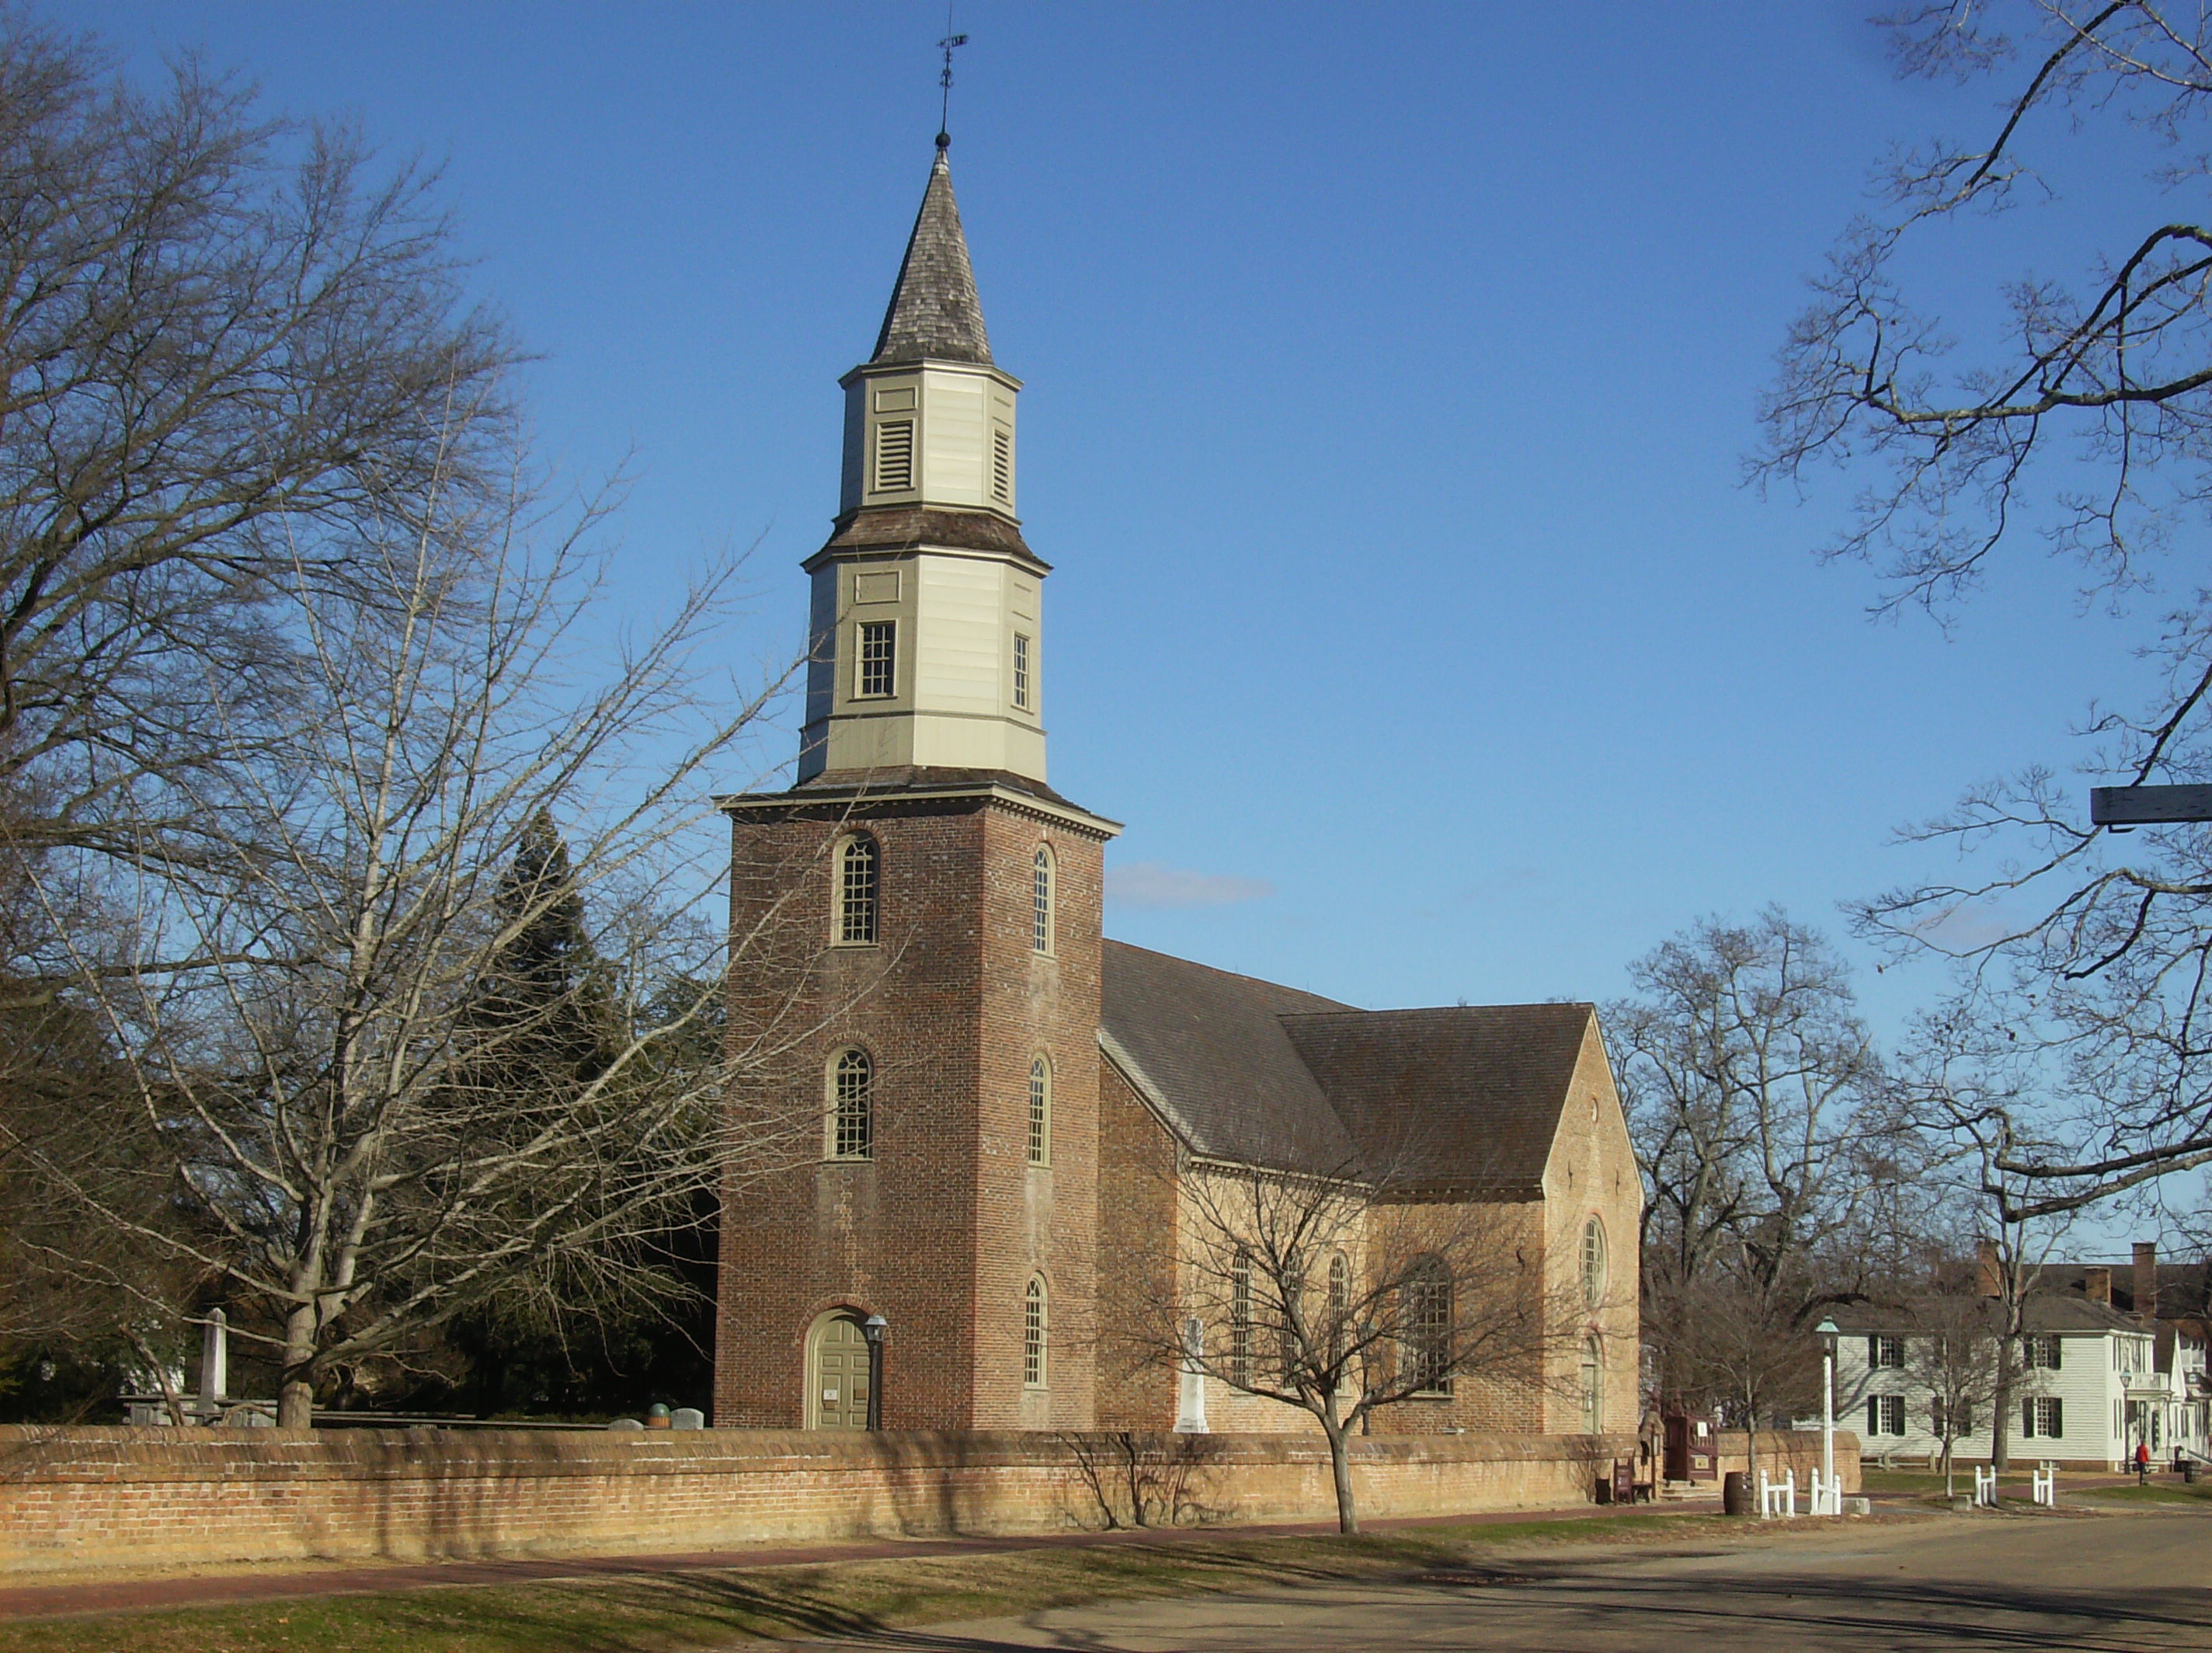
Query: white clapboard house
x=2095, y=1379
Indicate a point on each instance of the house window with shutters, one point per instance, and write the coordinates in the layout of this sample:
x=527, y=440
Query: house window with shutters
x=1959, y=1413
x=2042, y=1354
x=1033, y=1334
x=2042, y=1417
x=876, y=664
x=893, y=456
x=852, y=1106
x=1886, y=1353
x=858, y=863
x=1885, y=1414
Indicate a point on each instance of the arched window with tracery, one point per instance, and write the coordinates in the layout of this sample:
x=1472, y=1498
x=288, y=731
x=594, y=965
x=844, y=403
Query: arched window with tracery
x=1041, y=898
x=852, y=1106
x=1593, y=1387
x=1240, y=1322
x=1040, y=1109
x=1425, y=1306
x=1339, y=1308
x=1594, y=1263
x=859, y=868
x=1033, y=1334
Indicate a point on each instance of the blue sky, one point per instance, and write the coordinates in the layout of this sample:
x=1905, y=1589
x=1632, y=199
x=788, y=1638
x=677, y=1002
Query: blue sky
x=1390, y=372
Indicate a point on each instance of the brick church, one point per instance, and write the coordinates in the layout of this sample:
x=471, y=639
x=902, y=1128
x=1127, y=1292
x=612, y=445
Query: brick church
x=999, y=1108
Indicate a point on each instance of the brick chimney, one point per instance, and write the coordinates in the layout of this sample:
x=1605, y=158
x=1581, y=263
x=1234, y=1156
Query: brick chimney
x=2146, y=1281
x=1989, y=1281
x=2096, y=1285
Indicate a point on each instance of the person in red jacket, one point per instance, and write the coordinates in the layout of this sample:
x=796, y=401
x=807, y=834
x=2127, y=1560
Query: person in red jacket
x=2143, y=1463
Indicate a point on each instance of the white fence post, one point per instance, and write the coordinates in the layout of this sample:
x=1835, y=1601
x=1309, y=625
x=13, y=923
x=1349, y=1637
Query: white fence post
x=2043, y=1485
x=1985, y=1487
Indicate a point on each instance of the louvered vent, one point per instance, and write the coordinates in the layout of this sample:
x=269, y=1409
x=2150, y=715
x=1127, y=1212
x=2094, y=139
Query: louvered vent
x=893, y=456
x=1002, y=466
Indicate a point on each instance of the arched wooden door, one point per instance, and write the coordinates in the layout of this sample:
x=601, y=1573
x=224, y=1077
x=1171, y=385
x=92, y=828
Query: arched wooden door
x=837, y=1373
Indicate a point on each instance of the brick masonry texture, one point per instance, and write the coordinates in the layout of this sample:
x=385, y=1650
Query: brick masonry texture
x=111, y=1497
x=942, y=1229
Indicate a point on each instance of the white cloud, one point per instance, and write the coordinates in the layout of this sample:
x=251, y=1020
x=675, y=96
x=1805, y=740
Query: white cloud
x=1148, y=883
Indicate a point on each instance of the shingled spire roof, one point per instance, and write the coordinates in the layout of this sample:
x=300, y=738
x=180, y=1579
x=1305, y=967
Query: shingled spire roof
x=934, y=314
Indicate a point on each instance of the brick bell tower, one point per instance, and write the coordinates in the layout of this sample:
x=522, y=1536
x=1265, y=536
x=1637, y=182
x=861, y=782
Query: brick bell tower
x=914, y=999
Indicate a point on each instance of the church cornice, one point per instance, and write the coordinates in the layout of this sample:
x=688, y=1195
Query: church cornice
x=897, y=528
x=858, y=795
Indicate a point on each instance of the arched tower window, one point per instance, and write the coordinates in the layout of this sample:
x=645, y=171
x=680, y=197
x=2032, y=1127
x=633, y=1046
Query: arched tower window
x=1033, y=1334
x=859, y=864
x=1040, y=1109
x=1594, y=1263
x=852, y=1106
x=1426, y=1306
x=1041, y=894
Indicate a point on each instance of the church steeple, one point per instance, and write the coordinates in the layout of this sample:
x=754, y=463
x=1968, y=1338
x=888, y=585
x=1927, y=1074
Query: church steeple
x=927, y=645
x=934, y=314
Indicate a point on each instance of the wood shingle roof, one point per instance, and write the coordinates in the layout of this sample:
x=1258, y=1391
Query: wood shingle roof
x=1467, y=1096
x=934, y=315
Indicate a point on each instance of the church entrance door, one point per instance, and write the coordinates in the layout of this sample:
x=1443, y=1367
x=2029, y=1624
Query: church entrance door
x=837, y=1373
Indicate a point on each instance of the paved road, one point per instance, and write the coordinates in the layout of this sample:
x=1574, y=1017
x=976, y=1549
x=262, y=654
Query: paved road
x=1966, y=1584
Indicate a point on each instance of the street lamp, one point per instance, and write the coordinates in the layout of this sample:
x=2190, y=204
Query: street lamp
x=1827, y=1331
x=874, y=1328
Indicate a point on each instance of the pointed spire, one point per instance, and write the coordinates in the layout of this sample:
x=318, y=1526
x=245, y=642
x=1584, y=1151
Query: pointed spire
x=934, y=312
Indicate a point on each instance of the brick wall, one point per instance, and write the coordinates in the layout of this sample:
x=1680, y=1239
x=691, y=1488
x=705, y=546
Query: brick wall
x=90, y=1498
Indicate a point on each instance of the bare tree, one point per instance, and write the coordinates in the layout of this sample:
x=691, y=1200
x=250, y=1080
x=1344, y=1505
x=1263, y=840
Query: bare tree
x=373, y=1109
x=2086, y=424
x=1951, y=1358
x=228, y=350
x=1755, y=1098
x=1342, y=1292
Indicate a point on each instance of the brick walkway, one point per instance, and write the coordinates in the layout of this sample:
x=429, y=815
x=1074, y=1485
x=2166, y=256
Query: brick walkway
x=56, y=1601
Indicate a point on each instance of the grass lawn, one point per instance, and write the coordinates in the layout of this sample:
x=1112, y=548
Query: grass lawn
x=2162, y=1490
x=1920, y=1481
x=678, y=1611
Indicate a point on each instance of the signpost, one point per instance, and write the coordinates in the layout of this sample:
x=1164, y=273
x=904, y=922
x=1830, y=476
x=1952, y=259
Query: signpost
x=2123, y=809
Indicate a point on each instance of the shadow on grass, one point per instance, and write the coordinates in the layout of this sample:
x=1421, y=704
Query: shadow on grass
x=1561, y=1604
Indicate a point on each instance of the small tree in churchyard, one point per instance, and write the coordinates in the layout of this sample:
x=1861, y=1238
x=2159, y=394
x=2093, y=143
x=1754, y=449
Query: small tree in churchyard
x=1342, y=1292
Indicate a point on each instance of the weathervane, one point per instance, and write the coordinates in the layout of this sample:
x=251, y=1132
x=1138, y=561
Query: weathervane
x=944, y=80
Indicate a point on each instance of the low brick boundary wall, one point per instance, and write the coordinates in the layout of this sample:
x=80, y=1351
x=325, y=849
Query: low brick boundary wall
x=1783, y=1450
x=87, y=1498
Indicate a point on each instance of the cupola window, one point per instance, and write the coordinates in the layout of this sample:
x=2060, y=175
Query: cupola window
x=878, y=676
x=1021, y=670
x=894, y=456
x=1002, y=466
